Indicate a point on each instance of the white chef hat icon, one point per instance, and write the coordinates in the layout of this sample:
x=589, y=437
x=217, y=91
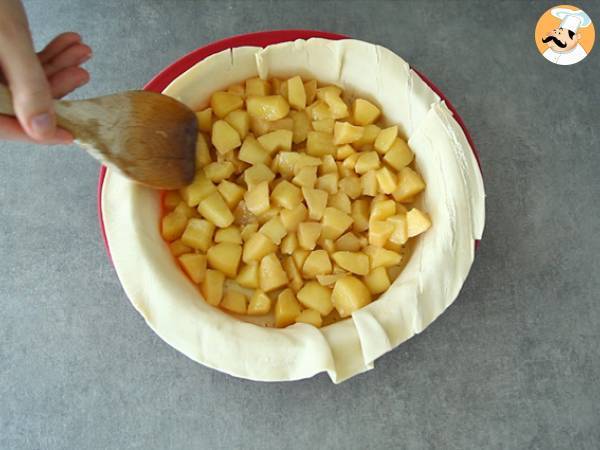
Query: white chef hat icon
x=571, y=20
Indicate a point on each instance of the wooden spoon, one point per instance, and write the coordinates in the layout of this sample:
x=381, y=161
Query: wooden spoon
x=148, y=137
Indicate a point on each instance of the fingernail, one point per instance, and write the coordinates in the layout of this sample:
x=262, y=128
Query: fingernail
x=85, y=57
x=41, y=124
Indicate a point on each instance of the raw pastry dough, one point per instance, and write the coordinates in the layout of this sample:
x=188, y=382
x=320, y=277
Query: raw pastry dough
x=429, y=283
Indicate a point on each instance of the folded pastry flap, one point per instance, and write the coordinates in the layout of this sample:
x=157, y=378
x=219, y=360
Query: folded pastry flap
x=445, y=253
x=470, y=169
x=374, y=340
x=313, y=58
x=396, y=314
x=344, y=342
x=421, y=100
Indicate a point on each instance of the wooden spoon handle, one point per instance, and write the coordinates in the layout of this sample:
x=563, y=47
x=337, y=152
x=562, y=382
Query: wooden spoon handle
x=69, y=115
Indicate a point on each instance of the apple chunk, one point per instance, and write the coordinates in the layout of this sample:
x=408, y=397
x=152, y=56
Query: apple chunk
x=349, y=295
x=248, y=275
x=194, y=266
x=355, y=262
x=287, y=308
x=335, y=223
x=364, y=112
x=234, y=302
x=296, y=93
x=377, y=280
x=315, y=296
x=270, y=107
x=317, y=263
x=224, y=137
x=198, y=234
x=271, y=274
x=311, y=317
x=316, y=199
x=173, y=225
x=409, y=184
x=260, y=303
x=346, y=133
x=417, y=222
x=215, y=210
x=222, y=103
x=256, y=247
x=212, y=286
x=225, y=257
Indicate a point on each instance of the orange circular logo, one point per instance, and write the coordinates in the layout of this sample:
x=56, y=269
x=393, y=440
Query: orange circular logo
x=565, y=35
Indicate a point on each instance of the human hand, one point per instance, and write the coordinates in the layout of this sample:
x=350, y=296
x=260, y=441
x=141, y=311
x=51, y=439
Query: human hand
x=36, y=79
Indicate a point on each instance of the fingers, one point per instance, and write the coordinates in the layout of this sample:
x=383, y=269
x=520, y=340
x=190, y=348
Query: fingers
x=72, y=56
x=58, y=45
x=67, y=80
x=61, y=59
x=30, y=89
x=11, y=130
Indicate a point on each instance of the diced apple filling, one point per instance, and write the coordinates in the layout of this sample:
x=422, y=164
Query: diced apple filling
x=301, y=206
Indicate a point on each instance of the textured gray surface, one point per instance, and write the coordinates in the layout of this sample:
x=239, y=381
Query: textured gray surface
x=514, y=363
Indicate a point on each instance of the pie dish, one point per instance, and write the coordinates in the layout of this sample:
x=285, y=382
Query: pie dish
x=430, y=281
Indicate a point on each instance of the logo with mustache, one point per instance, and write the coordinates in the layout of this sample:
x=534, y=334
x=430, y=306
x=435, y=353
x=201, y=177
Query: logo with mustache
x=564, y=35
x=555, y=40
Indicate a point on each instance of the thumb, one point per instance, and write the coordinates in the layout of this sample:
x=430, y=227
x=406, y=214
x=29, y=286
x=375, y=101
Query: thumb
x=32, y=99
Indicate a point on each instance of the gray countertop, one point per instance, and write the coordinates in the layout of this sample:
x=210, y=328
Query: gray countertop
x=514, y=363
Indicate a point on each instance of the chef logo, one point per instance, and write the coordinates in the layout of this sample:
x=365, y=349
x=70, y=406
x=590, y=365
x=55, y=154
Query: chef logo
x=564, y=35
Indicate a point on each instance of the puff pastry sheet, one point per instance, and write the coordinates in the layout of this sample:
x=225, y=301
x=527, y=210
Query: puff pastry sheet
x=430, y=282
